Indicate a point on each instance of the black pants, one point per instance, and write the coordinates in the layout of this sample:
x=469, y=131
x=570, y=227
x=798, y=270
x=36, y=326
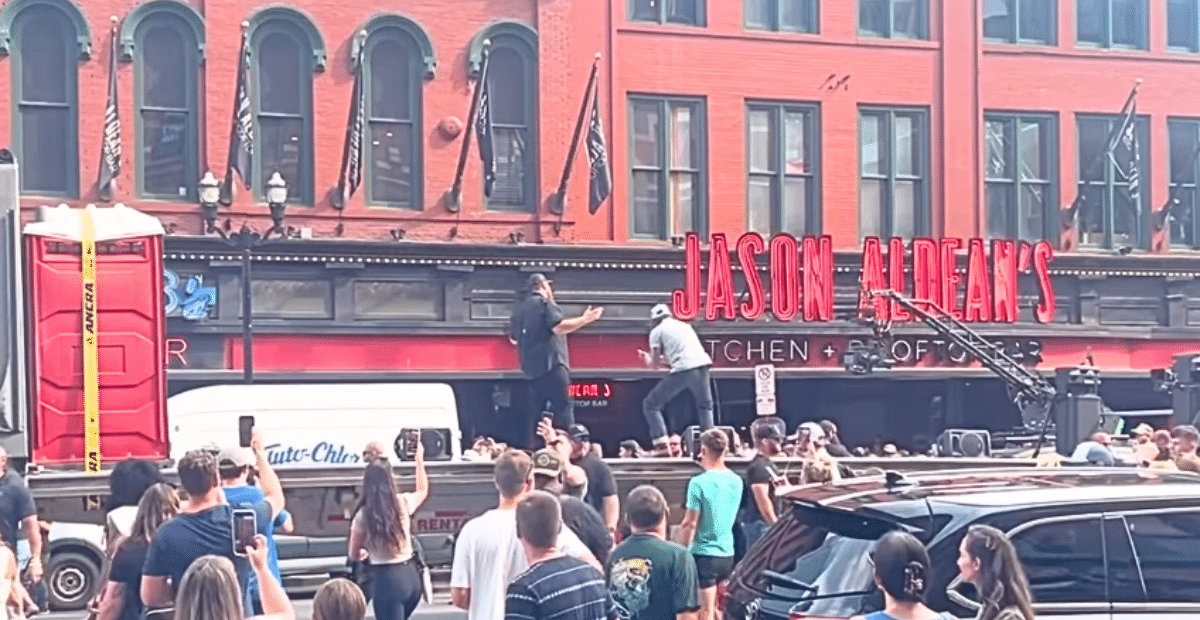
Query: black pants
x=396, y=589
x=694, y=381
x=550, y=392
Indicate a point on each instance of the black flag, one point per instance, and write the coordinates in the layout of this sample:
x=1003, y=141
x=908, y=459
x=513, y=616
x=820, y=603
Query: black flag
x=484, y=134
x=600, y=177
x=110, y=161
x=351, y=173
x=1126, y=156
x=241, y=138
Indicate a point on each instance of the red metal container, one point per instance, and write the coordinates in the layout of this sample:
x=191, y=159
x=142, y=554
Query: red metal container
x=130, y=326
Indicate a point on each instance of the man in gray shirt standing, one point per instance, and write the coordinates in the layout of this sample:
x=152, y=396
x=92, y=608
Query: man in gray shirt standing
x=675, y=344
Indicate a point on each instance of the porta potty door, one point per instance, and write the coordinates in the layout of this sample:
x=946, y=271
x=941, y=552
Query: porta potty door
x=130, y=342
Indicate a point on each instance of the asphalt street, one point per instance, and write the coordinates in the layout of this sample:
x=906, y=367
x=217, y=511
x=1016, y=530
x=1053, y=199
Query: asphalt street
x=440, y=611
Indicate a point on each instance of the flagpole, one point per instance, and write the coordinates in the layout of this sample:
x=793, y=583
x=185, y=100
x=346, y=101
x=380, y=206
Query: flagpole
x=340, y=196
x=1069, y=214
x=453, y=197
x=558, y=204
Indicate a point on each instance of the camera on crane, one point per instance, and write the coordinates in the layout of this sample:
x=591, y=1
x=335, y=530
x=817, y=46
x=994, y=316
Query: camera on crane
x=864, y=358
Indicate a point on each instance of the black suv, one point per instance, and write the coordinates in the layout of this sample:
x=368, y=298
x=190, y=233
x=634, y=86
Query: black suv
x=1097, y=544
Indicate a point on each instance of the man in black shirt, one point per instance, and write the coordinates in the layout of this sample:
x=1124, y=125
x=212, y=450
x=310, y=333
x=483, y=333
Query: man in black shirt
x=539, y=330
x=601, y=491
x=19, y=515
x=758, y=493
x=580, y=517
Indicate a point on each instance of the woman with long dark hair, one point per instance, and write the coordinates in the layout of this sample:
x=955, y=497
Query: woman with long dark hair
x=382, y=533
x=121, y=599
x=988, y=561
x=901, y=570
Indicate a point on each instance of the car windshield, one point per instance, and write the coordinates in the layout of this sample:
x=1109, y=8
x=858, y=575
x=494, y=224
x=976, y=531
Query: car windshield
x=811, y=554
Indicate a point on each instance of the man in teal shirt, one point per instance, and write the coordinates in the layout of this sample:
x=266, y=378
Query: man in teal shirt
x=713, y=498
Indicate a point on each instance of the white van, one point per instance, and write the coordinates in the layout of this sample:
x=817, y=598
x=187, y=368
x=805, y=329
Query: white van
x=312, y=424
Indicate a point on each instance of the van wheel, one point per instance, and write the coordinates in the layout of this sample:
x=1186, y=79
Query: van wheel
x=71, y=580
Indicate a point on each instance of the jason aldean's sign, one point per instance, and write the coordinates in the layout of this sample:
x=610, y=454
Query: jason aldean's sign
x=801, y=278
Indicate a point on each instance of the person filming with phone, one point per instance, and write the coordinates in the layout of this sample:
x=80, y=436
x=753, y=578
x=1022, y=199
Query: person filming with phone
x=210, y=590
x=209, y=525
x=381, y=532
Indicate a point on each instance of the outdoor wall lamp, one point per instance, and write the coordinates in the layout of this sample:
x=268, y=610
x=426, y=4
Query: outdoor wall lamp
x=210, y=196
x=277, y=192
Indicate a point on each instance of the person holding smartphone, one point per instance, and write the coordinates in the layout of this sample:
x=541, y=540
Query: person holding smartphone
x=381, y=532
x=206, y=526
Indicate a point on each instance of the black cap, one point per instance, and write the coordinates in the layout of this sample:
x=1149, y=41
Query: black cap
x=537, y=279
x=579, y=432
x=769, y=431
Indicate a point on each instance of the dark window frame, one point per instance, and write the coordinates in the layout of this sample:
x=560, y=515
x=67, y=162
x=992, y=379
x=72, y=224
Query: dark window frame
x=527, y=50
x=1109, y=185
x=812, y=146
x=1048, y=230
x=1193, y=45
x=1143, y=29
x=812, y=16
x=75, y=48
x=416, y=98
x=923, y=210
x=311, y=59
x=699, y=111
x=1014, y=34
x=1183, y=181
x=664, y=15
x=170, y=18
x=923, y=18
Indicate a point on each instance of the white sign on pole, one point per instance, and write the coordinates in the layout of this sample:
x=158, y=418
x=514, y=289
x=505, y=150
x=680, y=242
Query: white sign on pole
x=764, y=380
x=764, y=404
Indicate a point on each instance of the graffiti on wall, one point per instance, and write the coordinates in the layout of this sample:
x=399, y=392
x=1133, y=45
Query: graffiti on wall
x=189, y=299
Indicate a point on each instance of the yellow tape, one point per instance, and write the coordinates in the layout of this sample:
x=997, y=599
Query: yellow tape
x=91, y=350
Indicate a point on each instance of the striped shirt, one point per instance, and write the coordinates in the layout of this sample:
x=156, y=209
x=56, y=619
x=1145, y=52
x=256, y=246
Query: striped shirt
x=562, y=588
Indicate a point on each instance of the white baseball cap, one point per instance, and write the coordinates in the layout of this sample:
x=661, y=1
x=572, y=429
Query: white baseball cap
x=660, y=311
x=814, y=430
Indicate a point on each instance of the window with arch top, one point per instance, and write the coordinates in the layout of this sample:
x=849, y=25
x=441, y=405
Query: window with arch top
x=48, y=38
x=397, y=57
x=512, y=82
x=165, y=39
x=285, y=50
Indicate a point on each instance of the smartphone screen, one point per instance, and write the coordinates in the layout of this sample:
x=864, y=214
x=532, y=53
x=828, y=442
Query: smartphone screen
x=245, y=430
x=243, y=530
x=411, y=437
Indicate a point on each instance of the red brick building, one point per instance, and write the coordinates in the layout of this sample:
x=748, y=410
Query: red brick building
x=909, y=118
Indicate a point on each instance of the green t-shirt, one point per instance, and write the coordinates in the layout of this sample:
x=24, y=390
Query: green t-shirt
x=651, y=579
x=717, y=495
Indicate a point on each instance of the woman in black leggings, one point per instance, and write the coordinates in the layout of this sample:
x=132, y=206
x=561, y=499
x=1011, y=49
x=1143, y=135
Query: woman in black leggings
x=382, y=533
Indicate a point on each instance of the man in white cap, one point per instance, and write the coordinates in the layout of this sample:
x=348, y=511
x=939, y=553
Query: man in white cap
x=675, y=344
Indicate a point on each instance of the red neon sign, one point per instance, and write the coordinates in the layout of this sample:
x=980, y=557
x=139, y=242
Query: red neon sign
x=801, y=278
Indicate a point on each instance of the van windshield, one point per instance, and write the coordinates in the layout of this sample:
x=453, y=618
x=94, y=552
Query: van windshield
x=824, y=551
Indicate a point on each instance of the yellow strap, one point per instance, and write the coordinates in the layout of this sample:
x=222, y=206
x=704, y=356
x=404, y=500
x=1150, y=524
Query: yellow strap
x=91, y=351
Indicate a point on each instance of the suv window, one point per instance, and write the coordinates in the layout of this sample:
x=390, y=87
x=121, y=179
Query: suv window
x=1124, y=578
x=1064, y=561
x=1168, y=548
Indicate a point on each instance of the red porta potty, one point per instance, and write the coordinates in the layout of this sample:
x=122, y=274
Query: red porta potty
x=129, y=328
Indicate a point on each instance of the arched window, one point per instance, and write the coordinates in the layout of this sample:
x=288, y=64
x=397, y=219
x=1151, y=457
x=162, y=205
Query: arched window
x=285, y=50
x=397, y=58
x=48, y=39
x=512, y=81
x=164, y=38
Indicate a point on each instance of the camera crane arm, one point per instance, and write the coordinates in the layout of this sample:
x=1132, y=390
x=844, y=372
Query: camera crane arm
x=1029, y=388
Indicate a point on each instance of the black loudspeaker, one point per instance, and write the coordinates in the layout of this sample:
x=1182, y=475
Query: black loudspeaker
x=435, y=440
x=962, y=442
